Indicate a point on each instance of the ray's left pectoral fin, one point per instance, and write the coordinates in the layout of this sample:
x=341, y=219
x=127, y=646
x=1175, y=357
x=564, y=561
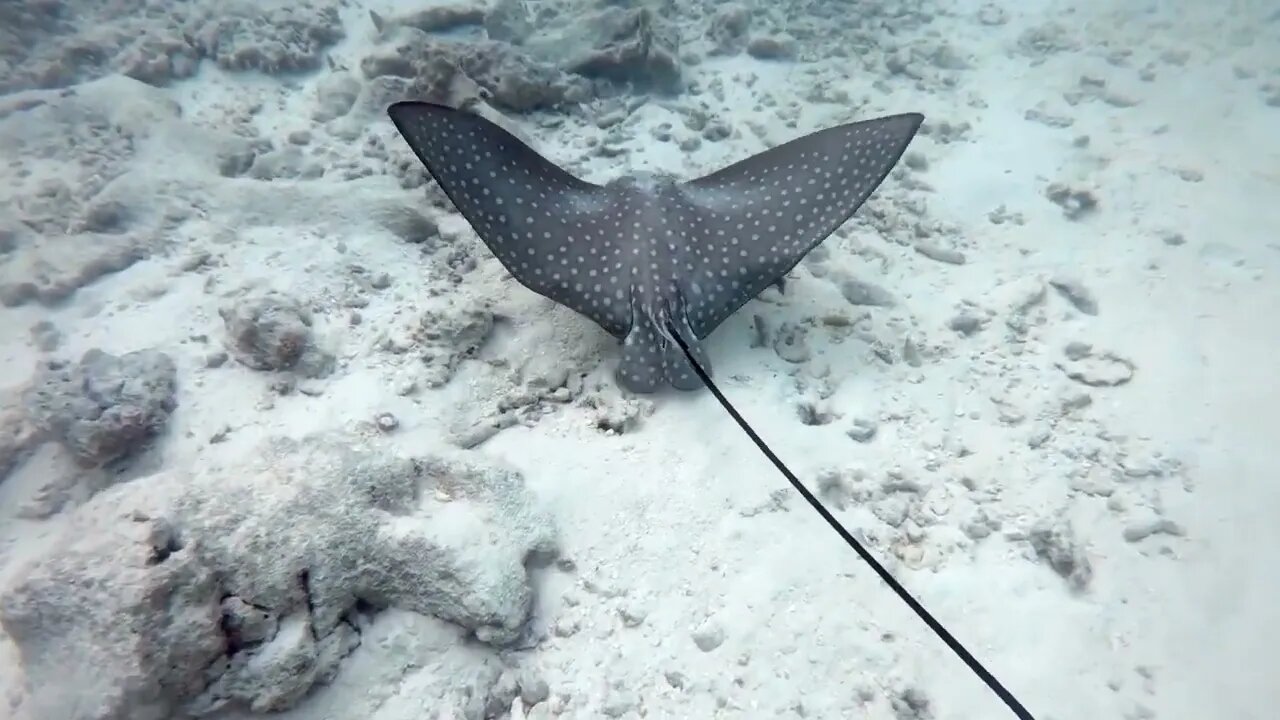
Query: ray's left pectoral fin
x=551, y=230
x=756, y=219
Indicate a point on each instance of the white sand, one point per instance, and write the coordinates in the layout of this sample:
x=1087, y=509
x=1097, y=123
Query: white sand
x=682, y=526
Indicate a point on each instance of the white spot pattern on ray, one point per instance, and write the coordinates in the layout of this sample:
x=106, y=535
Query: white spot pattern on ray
x=641, y=256
x=752, y=222
x=553, y=232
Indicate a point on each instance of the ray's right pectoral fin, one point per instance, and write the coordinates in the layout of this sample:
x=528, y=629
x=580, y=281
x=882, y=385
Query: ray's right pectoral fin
x=762, y=215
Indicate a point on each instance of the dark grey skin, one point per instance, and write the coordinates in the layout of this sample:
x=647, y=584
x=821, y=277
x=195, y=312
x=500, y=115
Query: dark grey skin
x=646, y=256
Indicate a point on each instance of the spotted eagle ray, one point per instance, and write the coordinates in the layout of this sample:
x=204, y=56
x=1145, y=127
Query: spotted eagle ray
x=660, y=263
x=647, y=257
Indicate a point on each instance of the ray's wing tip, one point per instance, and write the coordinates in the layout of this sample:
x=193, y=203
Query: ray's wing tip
x=903, y=127
x=400, y=109
x=401, y=112
x=911, y=121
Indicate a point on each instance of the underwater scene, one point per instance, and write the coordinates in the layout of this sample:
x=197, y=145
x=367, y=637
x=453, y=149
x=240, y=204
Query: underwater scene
x=529, y=359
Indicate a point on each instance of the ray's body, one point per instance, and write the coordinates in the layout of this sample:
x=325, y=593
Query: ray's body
x=647, y=255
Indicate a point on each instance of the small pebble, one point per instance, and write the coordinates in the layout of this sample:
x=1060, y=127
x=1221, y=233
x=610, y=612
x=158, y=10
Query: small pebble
x=632, y=614
x=965, y=323
x=863, y=430
x=1076, y=293
x=533, y=689
x=1144, y=529
x=708, y=636
x=387, y=422
x=675, y=679
x=941, y=254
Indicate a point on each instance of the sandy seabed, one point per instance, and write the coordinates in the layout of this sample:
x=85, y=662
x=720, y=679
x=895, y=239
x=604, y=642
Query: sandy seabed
x=279, y=435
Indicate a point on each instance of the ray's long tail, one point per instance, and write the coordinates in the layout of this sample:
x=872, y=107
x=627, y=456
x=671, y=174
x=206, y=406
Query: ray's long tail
x=977, y=667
